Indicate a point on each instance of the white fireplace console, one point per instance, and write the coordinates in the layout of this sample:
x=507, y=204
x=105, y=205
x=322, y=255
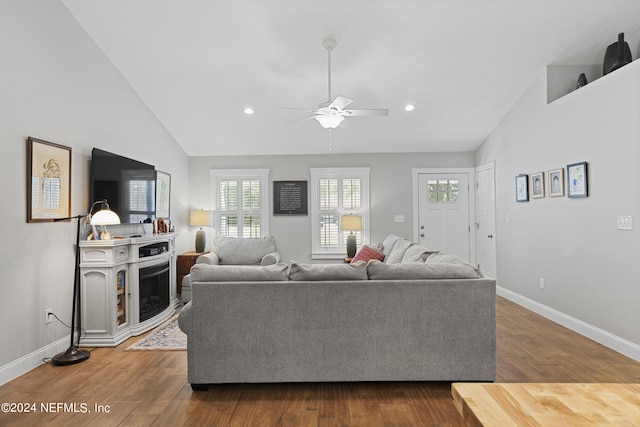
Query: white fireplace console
x=116, y=303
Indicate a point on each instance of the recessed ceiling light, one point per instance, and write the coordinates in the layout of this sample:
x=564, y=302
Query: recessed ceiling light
x=409, y=107
x=248, y=110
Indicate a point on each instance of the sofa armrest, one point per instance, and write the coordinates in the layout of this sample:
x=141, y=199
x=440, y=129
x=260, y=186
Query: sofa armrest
x=210, y=258
x=186, y=289
x=271, y=258
x=185, y=319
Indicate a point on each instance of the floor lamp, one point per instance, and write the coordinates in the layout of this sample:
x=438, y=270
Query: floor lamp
x=73, y=354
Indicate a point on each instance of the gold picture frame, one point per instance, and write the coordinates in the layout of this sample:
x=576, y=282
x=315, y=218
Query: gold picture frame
x=48, y=180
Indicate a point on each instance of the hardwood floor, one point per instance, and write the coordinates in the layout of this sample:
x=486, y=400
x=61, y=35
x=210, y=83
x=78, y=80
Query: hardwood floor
x=144, y=388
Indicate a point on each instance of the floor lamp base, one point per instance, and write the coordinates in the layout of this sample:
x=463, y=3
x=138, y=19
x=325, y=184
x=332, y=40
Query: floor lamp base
x=71, y=356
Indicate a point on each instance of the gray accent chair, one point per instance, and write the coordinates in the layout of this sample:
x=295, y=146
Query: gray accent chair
x=260, y=251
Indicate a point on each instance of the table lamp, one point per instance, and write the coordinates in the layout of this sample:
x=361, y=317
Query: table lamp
x=200, y=219
x=351, y=223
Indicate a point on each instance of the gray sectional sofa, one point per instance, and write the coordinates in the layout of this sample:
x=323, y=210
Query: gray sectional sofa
x=416, y=316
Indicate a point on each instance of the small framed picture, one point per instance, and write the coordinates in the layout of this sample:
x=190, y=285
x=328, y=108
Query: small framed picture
x=537, y=185
x=556, y=182
x=522, y=188
x=577, y=177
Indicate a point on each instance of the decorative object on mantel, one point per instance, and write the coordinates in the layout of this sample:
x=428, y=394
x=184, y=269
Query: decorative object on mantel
x=582, y=81
x=200, y=219
x=73, y=354
x=351, y=223
x=48, y=181
x=617, y=55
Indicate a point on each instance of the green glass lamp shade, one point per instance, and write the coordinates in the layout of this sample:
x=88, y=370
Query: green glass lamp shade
x=201, y=240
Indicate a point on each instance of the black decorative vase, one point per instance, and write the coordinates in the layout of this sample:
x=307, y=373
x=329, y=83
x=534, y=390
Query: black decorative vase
x=582, y=81
x=617, y=55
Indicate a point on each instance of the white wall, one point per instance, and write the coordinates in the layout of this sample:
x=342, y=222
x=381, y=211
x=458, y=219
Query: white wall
x=591, y=269
x=391, y=190
x=55, y=84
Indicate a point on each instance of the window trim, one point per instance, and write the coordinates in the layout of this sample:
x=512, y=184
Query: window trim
x=261, y=174
x=316, y=173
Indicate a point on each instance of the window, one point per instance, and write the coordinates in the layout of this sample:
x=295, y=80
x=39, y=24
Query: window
x=336, y=192
x=443, y=190
x=241, y=200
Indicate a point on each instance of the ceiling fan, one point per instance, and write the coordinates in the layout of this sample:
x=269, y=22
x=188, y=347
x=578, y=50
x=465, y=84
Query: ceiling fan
x=334, y=113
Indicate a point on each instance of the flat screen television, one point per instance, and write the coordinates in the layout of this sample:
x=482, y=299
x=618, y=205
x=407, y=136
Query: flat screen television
x=128, y=185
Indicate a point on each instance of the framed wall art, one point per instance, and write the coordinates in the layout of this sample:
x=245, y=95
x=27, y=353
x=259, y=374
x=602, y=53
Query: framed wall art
x=522, y=188
x=290, y=197
x=537, y=185
x=163, y=195
x=555, y=178
x=577, y=178
x=48, y=181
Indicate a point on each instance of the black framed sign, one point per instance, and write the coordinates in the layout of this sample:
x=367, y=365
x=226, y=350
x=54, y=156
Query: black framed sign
x=290, y=197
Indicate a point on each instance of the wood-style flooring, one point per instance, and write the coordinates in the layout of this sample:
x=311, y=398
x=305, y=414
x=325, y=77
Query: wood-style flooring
x=149, y=388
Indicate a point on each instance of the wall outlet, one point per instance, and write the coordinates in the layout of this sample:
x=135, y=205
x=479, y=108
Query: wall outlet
x=48, y=316
x=541, y=283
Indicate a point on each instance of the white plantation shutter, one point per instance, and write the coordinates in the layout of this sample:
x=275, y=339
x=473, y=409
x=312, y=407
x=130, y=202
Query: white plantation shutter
x=240, y=197
x=336, y=192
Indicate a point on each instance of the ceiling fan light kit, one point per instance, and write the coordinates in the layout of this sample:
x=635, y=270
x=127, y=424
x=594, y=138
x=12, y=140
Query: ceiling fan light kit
x=333, y=113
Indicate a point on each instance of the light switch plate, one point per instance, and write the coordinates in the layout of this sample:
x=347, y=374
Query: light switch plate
x=625, y=222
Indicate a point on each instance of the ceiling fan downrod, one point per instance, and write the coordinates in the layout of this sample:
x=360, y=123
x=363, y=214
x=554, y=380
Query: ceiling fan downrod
x=328, y=45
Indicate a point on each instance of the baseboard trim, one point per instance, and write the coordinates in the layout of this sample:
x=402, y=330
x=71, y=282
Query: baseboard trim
x=598, y=335
x=32, y=360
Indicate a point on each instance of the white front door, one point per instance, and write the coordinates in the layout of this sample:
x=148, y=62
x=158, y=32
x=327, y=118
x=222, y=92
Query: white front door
x=485, y=220
x=443, y=213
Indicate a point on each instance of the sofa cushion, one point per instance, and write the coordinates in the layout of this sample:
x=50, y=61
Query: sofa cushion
x=235, y=251
x=377, y=270
x=367, y=253
x=239, y=273
x=398, y=251
x=315, y=272
x=417, y=253
x=388, y=244
x=450, y=259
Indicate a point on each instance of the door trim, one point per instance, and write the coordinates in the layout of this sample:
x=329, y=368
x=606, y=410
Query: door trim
x=471, y=173
x=492, y=167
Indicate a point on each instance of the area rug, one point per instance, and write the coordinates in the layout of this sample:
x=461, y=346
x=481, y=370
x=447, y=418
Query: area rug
x=167, y=336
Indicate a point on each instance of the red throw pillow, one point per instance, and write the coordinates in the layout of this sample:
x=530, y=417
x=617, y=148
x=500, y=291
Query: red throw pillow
x=367, y=253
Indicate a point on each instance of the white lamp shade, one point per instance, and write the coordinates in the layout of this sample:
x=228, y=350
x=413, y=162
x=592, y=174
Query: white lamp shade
x=351, y=222
x=200, y=218
x=329, y=121
x=105, y=217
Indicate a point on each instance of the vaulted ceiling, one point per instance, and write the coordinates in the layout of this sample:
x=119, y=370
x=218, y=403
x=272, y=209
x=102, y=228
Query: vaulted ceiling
x=197, y=64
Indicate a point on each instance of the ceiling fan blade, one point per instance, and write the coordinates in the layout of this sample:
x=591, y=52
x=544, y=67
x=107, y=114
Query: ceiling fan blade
x=345, y=123
x=340, y=103
x=302, y=120
x=297, y=109
x=375, y=112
